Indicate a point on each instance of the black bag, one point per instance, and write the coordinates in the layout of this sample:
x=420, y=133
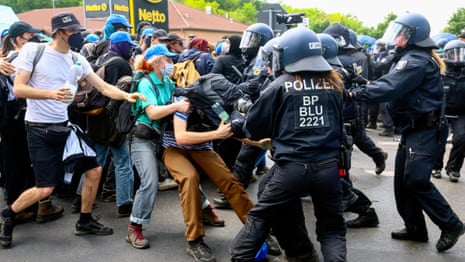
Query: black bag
x=144, y=131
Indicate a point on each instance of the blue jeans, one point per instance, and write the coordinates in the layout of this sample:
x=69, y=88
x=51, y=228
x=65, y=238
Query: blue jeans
x=124, y=175
x=144, y=156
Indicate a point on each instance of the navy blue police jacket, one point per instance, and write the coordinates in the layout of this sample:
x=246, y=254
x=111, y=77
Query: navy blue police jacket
x=302, y=118
x=413, y=85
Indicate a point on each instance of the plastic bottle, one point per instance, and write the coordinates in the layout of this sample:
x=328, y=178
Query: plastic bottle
x=219, y=110
x=75, y=74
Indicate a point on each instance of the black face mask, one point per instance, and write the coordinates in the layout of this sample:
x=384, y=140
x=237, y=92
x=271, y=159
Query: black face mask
x=75, y=41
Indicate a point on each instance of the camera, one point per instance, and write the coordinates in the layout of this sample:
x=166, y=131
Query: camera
x=293, y=18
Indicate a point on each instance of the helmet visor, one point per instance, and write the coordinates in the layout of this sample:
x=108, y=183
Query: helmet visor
x=276, y=61
x=455, y=55
x=262, y=61
x=250, y=40
x=395, y=30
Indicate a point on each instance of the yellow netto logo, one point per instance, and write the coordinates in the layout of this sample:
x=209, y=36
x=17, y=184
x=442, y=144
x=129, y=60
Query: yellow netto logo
x=154, y=1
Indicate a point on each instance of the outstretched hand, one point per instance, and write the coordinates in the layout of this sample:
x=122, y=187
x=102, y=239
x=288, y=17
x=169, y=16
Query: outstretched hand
x=132, y=97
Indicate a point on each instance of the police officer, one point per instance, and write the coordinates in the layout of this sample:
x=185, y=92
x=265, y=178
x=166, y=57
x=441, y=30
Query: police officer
x=356, y=66
x=454, y=78
x=414, y=85
x=301, y=111
x=353, y=200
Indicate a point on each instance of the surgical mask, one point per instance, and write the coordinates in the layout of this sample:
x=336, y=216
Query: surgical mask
x=168, y=70
x=225, y=49
x=75, y=41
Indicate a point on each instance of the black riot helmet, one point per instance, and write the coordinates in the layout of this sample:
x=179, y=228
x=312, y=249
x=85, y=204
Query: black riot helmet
x=454, y=53
x=415, y=27
x=253, y=37
x=330, y=49
x=341, y=34
x=299, y=49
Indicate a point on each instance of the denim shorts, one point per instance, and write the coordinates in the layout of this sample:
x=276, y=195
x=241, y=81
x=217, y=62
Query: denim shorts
x=46, y=144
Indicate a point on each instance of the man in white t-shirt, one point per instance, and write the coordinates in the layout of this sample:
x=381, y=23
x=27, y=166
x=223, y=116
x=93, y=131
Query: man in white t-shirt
x=46, y=122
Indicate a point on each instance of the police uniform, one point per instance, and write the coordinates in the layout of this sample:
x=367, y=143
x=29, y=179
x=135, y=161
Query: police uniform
x=304, y=120
x=414, y=86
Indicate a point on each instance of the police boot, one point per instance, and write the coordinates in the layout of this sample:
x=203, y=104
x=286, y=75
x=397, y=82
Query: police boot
x=309, y=257
x=47, y=211
x=380, y=162
x=366, y=219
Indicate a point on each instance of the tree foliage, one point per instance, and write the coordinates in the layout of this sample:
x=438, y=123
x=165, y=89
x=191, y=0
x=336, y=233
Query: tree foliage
x=20, y=6
x=456, y=23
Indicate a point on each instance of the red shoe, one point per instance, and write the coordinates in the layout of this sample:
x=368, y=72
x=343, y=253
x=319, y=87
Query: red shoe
x=211, y=218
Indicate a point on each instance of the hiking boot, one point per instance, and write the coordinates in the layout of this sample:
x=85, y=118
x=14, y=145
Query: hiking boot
x=436, y=173
x=109, y=198
x=92, y=228
x=366, y=219
x=124, y=210
x=453, y=176
x=211, y=218
x=167, y=184
x=200, y=251
x=449, y=238
x=221, y=202
x=24, y=217
x=6, y=231
x=273, y=247
x=419, y=235
x=135, y=237
x=309, y=257
x=380, y=162
x=48, y=212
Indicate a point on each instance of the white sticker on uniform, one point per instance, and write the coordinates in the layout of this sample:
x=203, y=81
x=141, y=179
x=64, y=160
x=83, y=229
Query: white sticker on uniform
x=401, y=65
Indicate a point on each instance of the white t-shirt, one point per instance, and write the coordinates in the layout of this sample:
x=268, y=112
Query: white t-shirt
x=50, y=73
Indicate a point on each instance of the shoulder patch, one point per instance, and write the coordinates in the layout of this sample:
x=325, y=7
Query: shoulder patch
x=401, y=65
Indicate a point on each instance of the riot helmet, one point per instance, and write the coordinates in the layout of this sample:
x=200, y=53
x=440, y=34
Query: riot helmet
x=253, y=37
x=415, y=28
x=329, y=49
x=353, y=39
x=341, y=34
x=298, y=49
x=454, y=53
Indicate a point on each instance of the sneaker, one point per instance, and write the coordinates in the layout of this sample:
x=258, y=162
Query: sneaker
x=436, y=173
x=92, y=228
x=135, y=237
x=167, y=184
x=200, y=251
x=109, y=198
x=211, y=218
x=6, y=231
x=48, y=212
x=124, y=210
x=273, y=247
x=453, y=176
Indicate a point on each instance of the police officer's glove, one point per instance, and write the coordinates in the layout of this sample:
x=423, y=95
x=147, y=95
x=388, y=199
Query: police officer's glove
x=360, y=80
x=243, y=104
x=251, y=88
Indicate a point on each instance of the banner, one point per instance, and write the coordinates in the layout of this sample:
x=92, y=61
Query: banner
x=97, y=8
x=153, y=11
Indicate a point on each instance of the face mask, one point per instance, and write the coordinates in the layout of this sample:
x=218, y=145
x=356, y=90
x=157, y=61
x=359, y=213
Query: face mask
x=168, y=70
x=75, y=41
x=225, y=49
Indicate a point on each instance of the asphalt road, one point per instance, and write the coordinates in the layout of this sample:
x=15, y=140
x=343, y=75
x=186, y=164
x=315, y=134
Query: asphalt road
x=55, y=241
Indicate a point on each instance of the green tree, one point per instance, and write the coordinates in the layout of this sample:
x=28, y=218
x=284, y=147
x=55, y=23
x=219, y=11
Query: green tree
x=20, y=6
x=456, y=23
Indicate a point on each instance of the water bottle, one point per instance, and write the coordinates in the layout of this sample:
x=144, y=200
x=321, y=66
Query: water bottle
x=219, y=110
x=75, y=74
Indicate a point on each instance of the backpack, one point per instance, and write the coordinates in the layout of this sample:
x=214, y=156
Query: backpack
x=185, y=73
x=88, y=100
x=126, y=113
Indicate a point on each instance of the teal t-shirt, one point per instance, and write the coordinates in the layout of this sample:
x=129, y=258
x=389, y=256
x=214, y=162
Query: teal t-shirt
x=160, y=98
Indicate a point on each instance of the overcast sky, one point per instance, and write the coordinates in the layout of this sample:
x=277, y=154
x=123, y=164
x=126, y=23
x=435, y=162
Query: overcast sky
x=373, y=12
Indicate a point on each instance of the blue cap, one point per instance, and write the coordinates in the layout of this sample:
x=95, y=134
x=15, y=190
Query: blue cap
x=4, y=32
x=158, y=49
x=121, y=36
x=118, y=19
x=92, y=38
x=147, y=31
